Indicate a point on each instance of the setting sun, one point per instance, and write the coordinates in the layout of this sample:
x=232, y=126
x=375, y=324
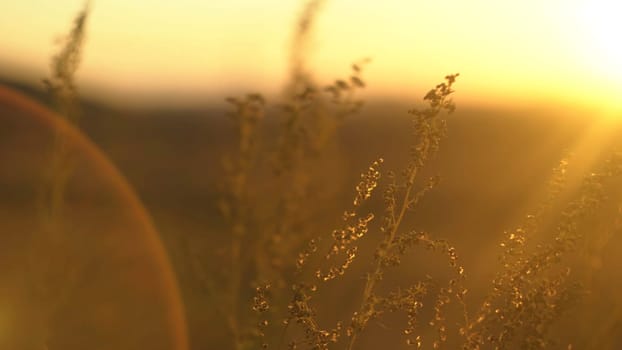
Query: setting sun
x=599, y=29
x=594, y=51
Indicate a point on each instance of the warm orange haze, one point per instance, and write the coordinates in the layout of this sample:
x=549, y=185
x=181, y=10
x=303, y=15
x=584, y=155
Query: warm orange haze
x=312, y=174
x=512, y=52
x=133, y=279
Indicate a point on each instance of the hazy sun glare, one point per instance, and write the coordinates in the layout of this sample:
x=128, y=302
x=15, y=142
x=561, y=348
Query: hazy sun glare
x=530, y=51
x=598, y=29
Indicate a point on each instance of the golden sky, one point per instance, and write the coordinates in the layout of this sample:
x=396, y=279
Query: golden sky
x=528, y=51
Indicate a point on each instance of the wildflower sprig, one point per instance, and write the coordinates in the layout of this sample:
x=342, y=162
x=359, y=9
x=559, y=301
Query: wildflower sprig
x=428, y=130
x=355, y=226
x=534, y=287
x=52, y=271
x=61, y=84
x=301, y=311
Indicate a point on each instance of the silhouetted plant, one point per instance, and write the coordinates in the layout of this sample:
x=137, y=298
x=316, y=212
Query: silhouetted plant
x=51, y=270
x=535, y=285
x=428, y=130
x=306, y=119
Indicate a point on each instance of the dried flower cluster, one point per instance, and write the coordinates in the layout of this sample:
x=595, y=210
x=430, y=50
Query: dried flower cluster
x=306, y=119
x=355, y=226
x=61, y=84
x=428, y=131
x=429, y=128
x=535, y=288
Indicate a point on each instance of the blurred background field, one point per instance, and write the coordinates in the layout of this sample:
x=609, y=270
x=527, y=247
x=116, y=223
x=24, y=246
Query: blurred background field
x=494, y=166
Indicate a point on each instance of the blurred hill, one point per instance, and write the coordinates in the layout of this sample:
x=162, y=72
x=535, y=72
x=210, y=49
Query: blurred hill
x=172, y=153
x=173, y=157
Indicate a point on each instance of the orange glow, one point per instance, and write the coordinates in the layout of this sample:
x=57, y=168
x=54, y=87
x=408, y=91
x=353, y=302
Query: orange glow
x=145, y=276
x=507, y=52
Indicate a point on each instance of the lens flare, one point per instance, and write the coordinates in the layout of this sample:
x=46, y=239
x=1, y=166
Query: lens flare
x=93, y=273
